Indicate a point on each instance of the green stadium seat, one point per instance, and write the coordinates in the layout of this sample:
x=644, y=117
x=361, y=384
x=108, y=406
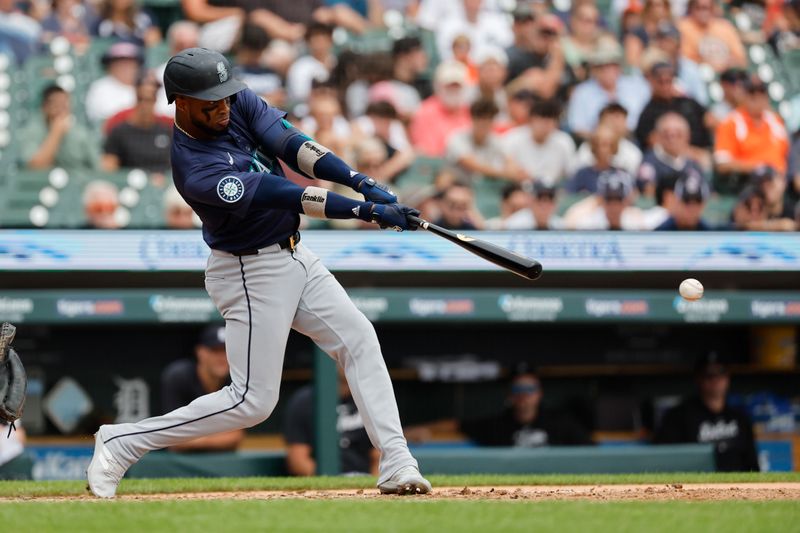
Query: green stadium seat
x=422, y=172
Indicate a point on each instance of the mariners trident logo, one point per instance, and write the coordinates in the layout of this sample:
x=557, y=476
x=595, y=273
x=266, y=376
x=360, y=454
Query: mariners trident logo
x=230, y=189
x=222, y=71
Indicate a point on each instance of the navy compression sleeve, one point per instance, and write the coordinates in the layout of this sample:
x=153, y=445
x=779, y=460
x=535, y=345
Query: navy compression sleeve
x=304, y=155
x=275, y=192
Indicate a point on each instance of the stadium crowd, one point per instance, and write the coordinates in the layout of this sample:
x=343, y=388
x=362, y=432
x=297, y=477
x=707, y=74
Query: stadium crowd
x=484, y=114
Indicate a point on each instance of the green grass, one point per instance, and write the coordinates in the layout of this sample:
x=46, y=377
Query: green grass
x=151, y=486
x=399, y=514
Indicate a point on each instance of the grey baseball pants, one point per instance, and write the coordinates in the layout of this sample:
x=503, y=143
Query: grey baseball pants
x=261, y=297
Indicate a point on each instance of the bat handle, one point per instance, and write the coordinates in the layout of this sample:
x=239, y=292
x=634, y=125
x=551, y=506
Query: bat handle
x=421, y=222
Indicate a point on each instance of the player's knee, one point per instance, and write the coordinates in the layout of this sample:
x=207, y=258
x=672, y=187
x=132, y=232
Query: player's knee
x=257, y=407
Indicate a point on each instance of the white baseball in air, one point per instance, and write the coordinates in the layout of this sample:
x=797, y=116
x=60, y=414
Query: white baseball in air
x=691, y=289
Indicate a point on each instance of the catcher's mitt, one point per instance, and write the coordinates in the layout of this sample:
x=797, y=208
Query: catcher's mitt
x=13, y=380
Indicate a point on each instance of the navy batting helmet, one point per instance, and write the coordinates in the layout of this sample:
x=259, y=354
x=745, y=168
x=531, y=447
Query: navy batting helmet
x=200, y=73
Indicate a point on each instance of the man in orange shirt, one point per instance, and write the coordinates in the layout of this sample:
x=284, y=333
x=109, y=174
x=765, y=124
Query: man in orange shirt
x=752, y=135
x=708, y=38
x=443, y=113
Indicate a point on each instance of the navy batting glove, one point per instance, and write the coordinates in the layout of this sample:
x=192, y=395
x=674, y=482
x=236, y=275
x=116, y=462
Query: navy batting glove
x=372, y=190
x=394, y=216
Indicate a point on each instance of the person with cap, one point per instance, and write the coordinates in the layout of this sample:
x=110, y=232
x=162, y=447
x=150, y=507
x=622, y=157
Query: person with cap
x=606, y=84
x=707, y=417
x=688, y=78
x=492, y=67
x=749, y=213
x=628, y=157
x=228, y=151
x=536, y=59
x=610, y=208
x=753, y=135
x=142, y=139
x=477, y=152
x=666, y=98
x=671, y=153
x=732, y=82
x=185, y=380
x=356, y=454
x=691, y=195
x=654, y=13
x=117, y=89
x=779, y=208
x=443, y=113
x=707, y=37
x=541, y=150
x=528, y=206
x=524, y=422
x=54, y=137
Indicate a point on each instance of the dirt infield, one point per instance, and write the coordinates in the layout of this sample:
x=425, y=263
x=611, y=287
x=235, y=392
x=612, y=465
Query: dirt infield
x=671, y=492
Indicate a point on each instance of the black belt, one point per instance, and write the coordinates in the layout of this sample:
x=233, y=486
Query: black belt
x=290, y=243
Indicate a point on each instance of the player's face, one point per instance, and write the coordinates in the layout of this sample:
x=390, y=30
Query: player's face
x=526, y=393
x=211, y=117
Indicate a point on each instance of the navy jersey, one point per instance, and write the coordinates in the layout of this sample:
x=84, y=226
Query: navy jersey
x=219, y=177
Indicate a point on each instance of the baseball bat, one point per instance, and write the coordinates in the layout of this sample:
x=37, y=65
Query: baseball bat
x=522, y=266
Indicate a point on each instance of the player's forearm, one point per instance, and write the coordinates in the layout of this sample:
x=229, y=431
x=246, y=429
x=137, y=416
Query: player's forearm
x=279, y=193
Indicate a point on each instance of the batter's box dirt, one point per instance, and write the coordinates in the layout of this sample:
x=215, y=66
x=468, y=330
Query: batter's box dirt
x=668, y=492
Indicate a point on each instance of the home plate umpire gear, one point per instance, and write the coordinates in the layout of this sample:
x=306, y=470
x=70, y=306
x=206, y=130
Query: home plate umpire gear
x=261, y=278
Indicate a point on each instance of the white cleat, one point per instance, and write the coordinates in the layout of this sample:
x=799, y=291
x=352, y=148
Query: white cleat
x=104, y=472
x=407, y=480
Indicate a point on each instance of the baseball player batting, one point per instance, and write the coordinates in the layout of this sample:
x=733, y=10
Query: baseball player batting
x=262, y=279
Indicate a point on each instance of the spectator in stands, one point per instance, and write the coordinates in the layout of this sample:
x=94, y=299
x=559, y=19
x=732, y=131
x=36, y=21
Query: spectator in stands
x=541, y=149
x=607, y=84
x=670, y=153
x=786, y=34
x=356, y=454
x=515, y=209
x=185, y=380
x=478, y=152
x=484, y=28
x=250, y=68
x=461, y=53
x=181, y=35
x=141, y=140
x=793, y=169
x=177, y=213
x=654, y=14
x=72, y=19
x=408, y=86
x=117, y=89
x=585, y=37
x=691, y=195
x=753, y=135
x=371, y=11
x=610, y=208
x=708, y=38
x=666, y=98
x=443, y=113
x=665, y=202
x=19, y=32
x=101, y=205
x=707, y=417
x=604, y=144
x=519, y=104
x=536, y=59
x=732, y=82
x=522, y=423
x=688, y=78
x=316, y=65
x=457, y=208
x=749, y=213
x=123, y=19
x=628, y=157
x=381, y=121
x=778, y=207
x=492, y=72
x=326, y=123
x=54, y=138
